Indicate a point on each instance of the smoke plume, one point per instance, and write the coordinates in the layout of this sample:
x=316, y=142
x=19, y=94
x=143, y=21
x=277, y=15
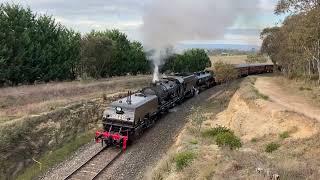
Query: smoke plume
x=167, y=22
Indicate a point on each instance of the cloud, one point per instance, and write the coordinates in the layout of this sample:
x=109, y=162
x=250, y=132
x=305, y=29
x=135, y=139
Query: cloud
x=127, y=15
x=267, y=5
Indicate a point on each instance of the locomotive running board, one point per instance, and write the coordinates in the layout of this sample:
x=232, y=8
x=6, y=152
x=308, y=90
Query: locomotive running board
x=101, y=136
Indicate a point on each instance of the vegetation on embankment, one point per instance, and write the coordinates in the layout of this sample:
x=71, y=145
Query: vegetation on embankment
x=32, y=137
x=56, y=156
x=252, y=138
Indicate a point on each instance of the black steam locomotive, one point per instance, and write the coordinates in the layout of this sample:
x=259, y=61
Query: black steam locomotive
x=126, y=118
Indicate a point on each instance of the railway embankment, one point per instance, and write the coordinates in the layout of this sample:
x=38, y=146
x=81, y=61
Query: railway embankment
x=255, y=137
x=42, y=125
x=24, y=141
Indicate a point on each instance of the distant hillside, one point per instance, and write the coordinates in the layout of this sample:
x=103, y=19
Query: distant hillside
x=242, y=47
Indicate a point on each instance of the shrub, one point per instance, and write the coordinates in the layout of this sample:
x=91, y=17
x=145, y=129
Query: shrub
x=223, y=137
x=260, y=95
x=272, y=147
x=193, y=141
x=198, y=118
x=228, y=139
x=224, y=72
x=183, y=159
x=254, y=140
x=215, y=131
x=284, y=135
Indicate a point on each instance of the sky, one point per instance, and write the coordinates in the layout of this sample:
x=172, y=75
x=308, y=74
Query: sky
x=127, y=16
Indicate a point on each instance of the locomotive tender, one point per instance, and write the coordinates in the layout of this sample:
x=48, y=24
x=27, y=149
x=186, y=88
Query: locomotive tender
x=127, y=118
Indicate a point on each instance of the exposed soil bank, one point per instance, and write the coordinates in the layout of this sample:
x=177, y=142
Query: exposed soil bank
x=262, y=124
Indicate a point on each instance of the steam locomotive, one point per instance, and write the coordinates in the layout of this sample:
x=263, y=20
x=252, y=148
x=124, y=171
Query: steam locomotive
x=126, y=119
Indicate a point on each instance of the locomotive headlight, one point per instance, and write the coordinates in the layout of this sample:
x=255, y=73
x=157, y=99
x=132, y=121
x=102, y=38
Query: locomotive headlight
x=118, y=109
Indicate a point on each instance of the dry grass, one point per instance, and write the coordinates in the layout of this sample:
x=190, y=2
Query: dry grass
x=305, y=89
x=237, y=59
x=16, y=102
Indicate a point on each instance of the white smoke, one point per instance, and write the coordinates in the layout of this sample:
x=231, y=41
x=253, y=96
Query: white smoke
x=168, y=22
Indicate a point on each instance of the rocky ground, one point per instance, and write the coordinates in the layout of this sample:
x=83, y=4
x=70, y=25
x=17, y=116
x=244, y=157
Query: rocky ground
x=140, y=157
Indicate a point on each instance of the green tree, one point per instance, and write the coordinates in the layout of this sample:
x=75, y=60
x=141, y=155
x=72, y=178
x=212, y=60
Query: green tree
x=190, y=61
x=96, y=56
x=35, y=48
x=16, y=24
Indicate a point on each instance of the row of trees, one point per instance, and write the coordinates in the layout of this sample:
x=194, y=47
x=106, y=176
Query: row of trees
x=37, y=48
x=295, y=45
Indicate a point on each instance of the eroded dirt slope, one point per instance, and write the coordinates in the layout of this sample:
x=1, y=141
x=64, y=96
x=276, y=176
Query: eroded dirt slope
x=262, y=116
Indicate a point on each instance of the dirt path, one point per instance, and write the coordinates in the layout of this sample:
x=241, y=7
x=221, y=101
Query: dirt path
x=289, y=100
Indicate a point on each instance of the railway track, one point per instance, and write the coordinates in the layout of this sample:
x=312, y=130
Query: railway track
x=92, y=168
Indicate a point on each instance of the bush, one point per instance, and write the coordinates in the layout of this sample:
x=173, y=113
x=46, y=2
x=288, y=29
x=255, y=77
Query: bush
x=183, y=159
x=215, y=131
x=260, y=95
x=223, y=137
x=224, y=72
x=254, y=140
x=193, y=141
x=284, y=135
x=198, y=119
x=228, y=139
x=272, y=147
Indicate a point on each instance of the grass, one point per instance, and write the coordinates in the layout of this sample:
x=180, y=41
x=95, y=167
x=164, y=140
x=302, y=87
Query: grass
x=193, y=141
x=284, y=135
x=272, y=147
x=228, y=139
x=254, y=140
x=223, y=137
x=301, y=88
x=55, y=157
x=234, y=59
x=260, y=95
x=215, y=131
x=183, y=159
x=17, y=102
